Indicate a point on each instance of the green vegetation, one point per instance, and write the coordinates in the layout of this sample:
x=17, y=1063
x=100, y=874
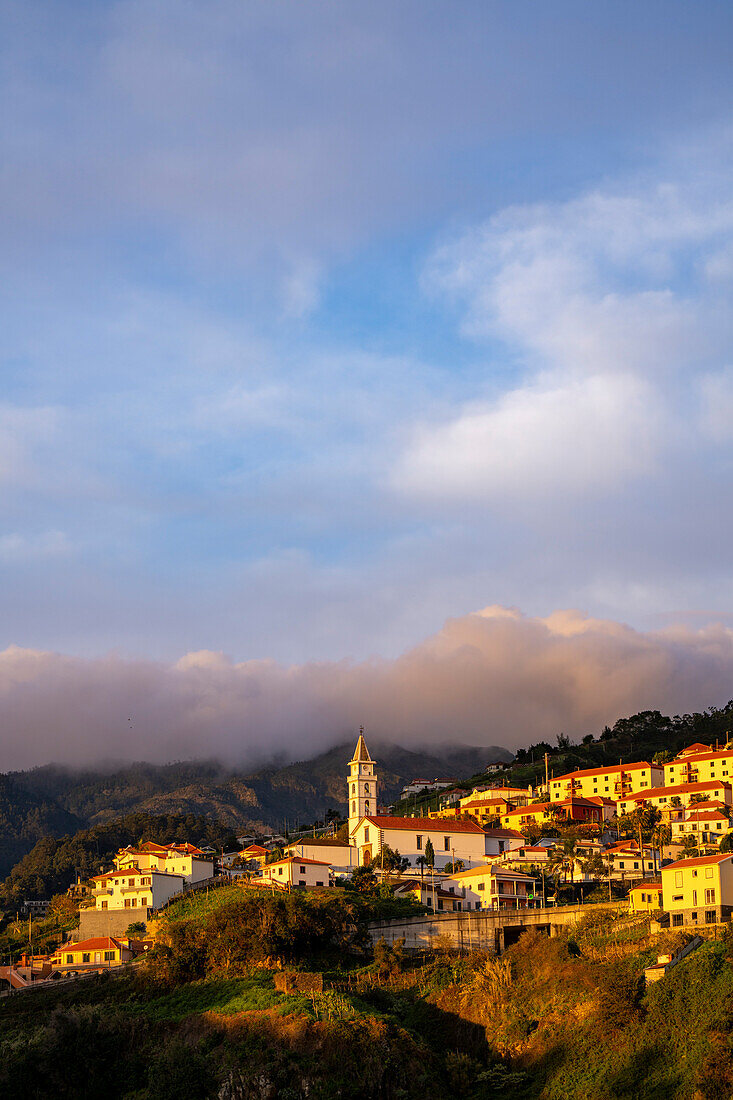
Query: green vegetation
x=553, y=1018
x=25, y=817
x=52, y=865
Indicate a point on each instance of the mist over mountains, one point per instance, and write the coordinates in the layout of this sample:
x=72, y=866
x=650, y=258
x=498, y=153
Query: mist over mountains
x=493, y=677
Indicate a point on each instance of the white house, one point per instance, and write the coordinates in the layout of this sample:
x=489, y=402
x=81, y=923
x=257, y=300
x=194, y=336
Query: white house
x=451, y=839
x=341, y=855
x=494, y=887
x=134, y=889
x=172, y=859
x=298, y=871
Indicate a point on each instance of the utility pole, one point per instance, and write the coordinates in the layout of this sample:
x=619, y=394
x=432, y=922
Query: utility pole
x=547, y=779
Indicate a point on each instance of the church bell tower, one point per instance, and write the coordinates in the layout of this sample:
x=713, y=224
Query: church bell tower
x=362, y=783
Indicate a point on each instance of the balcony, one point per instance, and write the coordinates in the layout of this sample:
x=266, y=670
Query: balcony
x=103, y=890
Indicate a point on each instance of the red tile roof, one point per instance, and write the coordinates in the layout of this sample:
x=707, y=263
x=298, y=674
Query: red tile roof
x=605, y=771
x=655, y=792
x=99, y=943
x=698, y=862
x=298, y=859
x=424, y=824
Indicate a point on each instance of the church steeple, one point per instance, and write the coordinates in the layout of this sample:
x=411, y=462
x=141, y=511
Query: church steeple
x=361, y=784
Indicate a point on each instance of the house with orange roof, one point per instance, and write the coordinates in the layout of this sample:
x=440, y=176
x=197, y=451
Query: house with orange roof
x=253, y=857
x=459, y=839
x=494, y=887
x=700, y=766
x=646, y=897
x=341, y=855
x=670, y=801
x=136, y=890
x=98, y=953
x=298, y=872
x=615, y=781
x=699, y=891
x=583, y=811
x=172, y=859
x=707, y=823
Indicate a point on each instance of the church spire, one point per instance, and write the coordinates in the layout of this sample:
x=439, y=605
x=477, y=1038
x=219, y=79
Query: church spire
x=361, y=784
x=361, y=752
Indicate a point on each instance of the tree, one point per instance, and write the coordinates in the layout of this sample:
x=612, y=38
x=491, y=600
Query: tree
x=390, y=860
x=662, y=757
x=137, y=928
x=454, y=868
x=422, y=864
x=430, y=854
x=726, y=844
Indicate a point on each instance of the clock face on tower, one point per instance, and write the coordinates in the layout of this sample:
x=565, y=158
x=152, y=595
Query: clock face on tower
x=362, y=784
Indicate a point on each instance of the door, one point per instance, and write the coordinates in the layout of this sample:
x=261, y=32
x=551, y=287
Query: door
x=97, y=956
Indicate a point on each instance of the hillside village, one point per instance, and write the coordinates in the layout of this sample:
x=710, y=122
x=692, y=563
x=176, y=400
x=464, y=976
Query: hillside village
x=653, y=835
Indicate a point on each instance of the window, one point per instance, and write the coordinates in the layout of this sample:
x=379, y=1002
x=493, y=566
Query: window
x=678, y=878
x=418, y=842
x=676, y=919
x=109, y=956
x=366, y=833
x=481, y=886
x=636, y=866
x=694, y=897
x=279, y=870
x=69, y=959
x=353, y=807
x=710, y=897
x=366, y=788
x=446, y=843
x=85, y=957
x=319, y=884
x=353, y=788
x=693, y=916
x=694, y=874
x=708, y=872
x=104, y=904
x=710, y=916
x=302, y=870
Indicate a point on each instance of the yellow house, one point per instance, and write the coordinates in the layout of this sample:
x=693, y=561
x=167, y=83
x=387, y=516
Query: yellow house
x=298, y=871
x=494, y=887
x=646, y=897
x=699, y=891
x=172, y=859
x=95, y=954
x=522, y=816
x=666, y=799
x=705, y=823
x=134, y=889
x=608, y=782
x=699, y=766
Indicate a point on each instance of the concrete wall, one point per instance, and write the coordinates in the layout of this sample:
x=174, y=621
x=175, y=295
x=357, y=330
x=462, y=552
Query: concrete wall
x=107, y=922
x=479, y=931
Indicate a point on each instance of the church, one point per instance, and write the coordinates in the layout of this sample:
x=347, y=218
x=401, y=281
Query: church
x=451, y=839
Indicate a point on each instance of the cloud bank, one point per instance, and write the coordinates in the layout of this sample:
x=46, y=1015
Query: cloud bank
x=493, y=677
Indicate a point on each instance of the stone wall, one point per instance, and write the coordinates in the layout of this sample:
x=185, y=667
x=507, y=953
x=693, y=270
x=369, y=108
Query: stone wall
x=107, y=922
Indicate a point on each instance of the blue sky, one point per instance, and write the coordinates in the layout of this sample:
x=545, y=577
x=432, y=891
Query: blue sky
x=321, y=323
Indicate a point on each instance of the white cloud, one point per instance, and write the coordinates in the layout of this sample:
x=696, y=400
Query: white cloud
x=569, y=437
x=613, y=308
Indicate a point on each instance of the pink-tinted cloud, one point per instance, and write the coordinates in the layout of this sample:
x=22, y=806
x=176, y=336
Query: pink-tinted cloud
x=494, y=677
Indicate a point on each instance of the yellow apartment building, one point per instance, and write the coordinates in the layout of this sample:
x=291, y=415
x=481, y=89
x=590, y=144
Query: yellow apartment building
x=667, y=799
x=699, y=891
x=608, y=782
